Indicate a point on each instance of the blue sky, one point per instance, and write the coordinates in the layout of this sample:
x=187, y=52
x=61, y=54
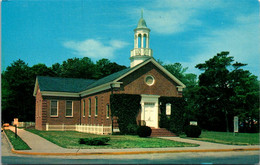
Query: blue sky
x=184, y=31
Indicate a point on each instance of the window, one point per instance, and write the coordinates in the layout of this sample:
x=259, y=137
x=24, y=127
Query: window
x=54, y=108
x=168, y=109
x=96, y=106
x=149, y=80
x=89, y=107
x=139, y=41
x=107, y=110
x=69, y=109
x=145, y=41
x=84, y=109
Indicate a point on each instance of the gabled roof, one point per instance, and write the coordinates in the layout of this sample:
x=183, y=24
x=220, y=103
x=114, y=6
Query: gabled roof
x=59, y=86
x=107, y=79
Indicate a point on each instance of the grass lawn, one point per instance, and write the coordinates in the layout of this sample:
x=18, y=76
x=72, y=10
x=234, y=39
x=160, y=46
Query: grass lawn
x=69, y=139
x=229, y=138
x=17, y=143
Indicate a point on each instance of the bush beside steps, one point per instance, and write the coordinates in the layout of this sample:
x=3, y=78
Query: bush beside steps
x=94, y=141
x=144, y=131
x=192, y=131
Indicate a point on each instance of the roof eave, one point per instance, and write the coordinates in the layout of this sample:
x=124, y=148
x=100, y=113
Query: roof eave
x=180, y=84
x=35, y=87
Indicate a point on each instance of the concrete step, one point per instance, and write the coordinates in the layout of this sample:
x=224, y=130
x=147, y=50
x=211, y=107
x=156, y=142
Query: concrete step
x=161, y=132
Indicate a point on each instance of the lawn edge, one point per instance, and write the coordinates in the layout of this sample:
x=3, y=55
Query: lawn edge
x=10, y=143
x=134, y=152
x=65, y=147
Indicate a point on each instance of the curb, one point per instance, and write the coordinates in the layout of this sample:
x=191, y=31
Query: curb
x=133, y=152
x=10, y=144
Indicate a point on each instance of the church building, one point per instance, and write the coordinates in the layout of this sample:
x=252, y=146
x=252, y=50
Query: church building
x=72, y=101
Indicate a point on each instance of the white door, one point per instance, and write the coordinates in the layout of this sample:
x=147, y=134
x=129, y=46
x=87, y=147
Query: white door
x=150, y=114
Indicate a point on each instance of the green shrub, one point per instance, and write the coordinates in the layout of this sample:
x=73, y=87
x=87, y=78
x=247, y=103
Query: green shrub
x=94, y=141
x=132, y=129
x=125, y=112
x=175, y=121
x=144, y=131
x=192, y=131
x=82, y=141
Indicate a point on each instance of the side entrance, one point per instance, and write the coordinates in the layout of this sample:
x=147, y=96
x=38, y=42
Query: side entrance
x=150, y=110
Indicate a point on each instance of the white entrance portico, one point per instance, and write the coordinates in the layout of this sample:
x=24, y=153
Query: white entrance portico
x=149, y=112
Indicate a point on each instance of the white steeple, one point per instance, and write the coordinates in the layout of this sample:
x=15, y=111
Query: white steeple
x=141, y=51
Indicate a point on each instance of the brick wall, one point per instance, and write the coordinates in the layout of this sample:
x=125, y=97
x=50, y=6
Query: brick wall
x=61, y=118
x=101, y=118
x=163, y=85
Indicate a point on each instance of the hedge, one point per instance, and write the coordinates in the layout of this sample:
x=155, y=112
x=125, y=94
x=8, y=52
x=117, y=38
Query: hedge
x=174, y=122
x=126, y=108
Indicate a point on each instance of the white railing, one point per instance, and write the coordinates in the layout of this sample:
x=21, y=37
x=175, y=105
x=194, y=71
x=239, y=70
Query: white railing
x=25, y=124
x=141, y=52
x=61, y=127
x=94, y=129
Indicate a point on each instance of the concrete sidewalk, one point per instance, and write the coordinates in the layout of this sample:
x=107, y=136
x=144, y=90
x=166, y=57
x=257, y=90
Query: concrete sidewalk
x=41, y=146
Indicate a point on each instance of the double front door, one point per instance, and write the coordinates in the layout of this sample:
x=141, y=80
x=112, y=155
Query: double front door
x=149, y=114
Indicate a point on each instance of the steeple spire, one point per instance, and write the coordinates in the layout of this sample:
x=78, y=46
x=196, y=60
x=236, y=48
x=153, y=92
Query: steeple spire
x=141, y=51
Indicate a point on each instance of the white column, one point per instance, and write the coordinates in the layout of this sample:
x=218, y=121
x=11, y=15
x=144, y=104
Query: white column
x=147, y=41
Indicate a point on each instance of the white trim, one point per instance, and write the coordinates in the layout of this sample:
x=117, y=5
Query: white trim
x=156, y=64
x=100, y=88
x=146, y=81
x=84, y=108
x=72, y=103
x=35, y=87
x=96, y=106
x=150, y=99
x=57, y=108
x=89, y=107
x=64, y=94
x=107, y=111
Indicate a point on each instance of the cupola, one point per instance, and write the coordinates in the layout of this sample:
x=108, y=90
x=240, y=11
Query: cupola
x=141, y=51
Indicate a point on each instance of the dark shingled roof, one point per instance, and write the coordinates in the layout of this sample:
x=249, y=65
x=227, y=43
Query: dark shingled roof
x=75, y=85
x=58, y=84
x=108, y=79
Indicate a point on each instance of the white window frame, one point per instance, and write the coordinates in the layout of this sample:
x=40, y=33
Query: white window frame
x=57, y=109
x=84, y=108
x=89, y=107
x=107, y=111
x=152, y=79
x=66, y=108
x=96, y=106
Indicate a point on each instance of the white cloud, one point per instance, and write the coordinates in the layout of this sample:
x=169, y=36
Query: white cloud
x=94, y=48
x=169, y=17
x=242, y=41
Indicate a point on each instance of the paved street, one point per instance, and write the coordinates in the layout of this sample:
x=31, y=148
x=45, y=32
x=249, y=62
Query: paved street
x=242, y=157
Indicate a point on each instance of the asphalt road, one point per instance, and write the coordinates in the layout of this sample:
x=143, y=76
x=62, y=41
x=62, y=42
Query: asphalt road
x=184, y=158
x=242, y=157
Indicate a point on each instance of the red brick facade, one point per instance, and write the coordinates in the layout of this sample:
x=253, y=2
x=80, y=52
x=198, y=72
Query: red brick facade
x=134, y=83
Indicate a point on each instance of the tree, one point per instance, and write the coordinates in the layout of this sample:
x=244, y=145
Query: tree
x=15, y=82
x=19, y=79
x=217, y=93
x=77, y=68
x=190, y=80
x=105, y=67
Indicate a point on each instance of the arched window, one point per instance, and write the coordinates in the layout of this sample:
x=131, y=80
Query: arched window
x=139, y=40
x=145, y=41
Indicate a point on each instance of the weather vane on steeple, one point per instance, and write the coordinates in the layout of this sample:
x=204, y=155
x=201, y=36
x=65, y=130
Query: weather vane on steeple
x=142, y=13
